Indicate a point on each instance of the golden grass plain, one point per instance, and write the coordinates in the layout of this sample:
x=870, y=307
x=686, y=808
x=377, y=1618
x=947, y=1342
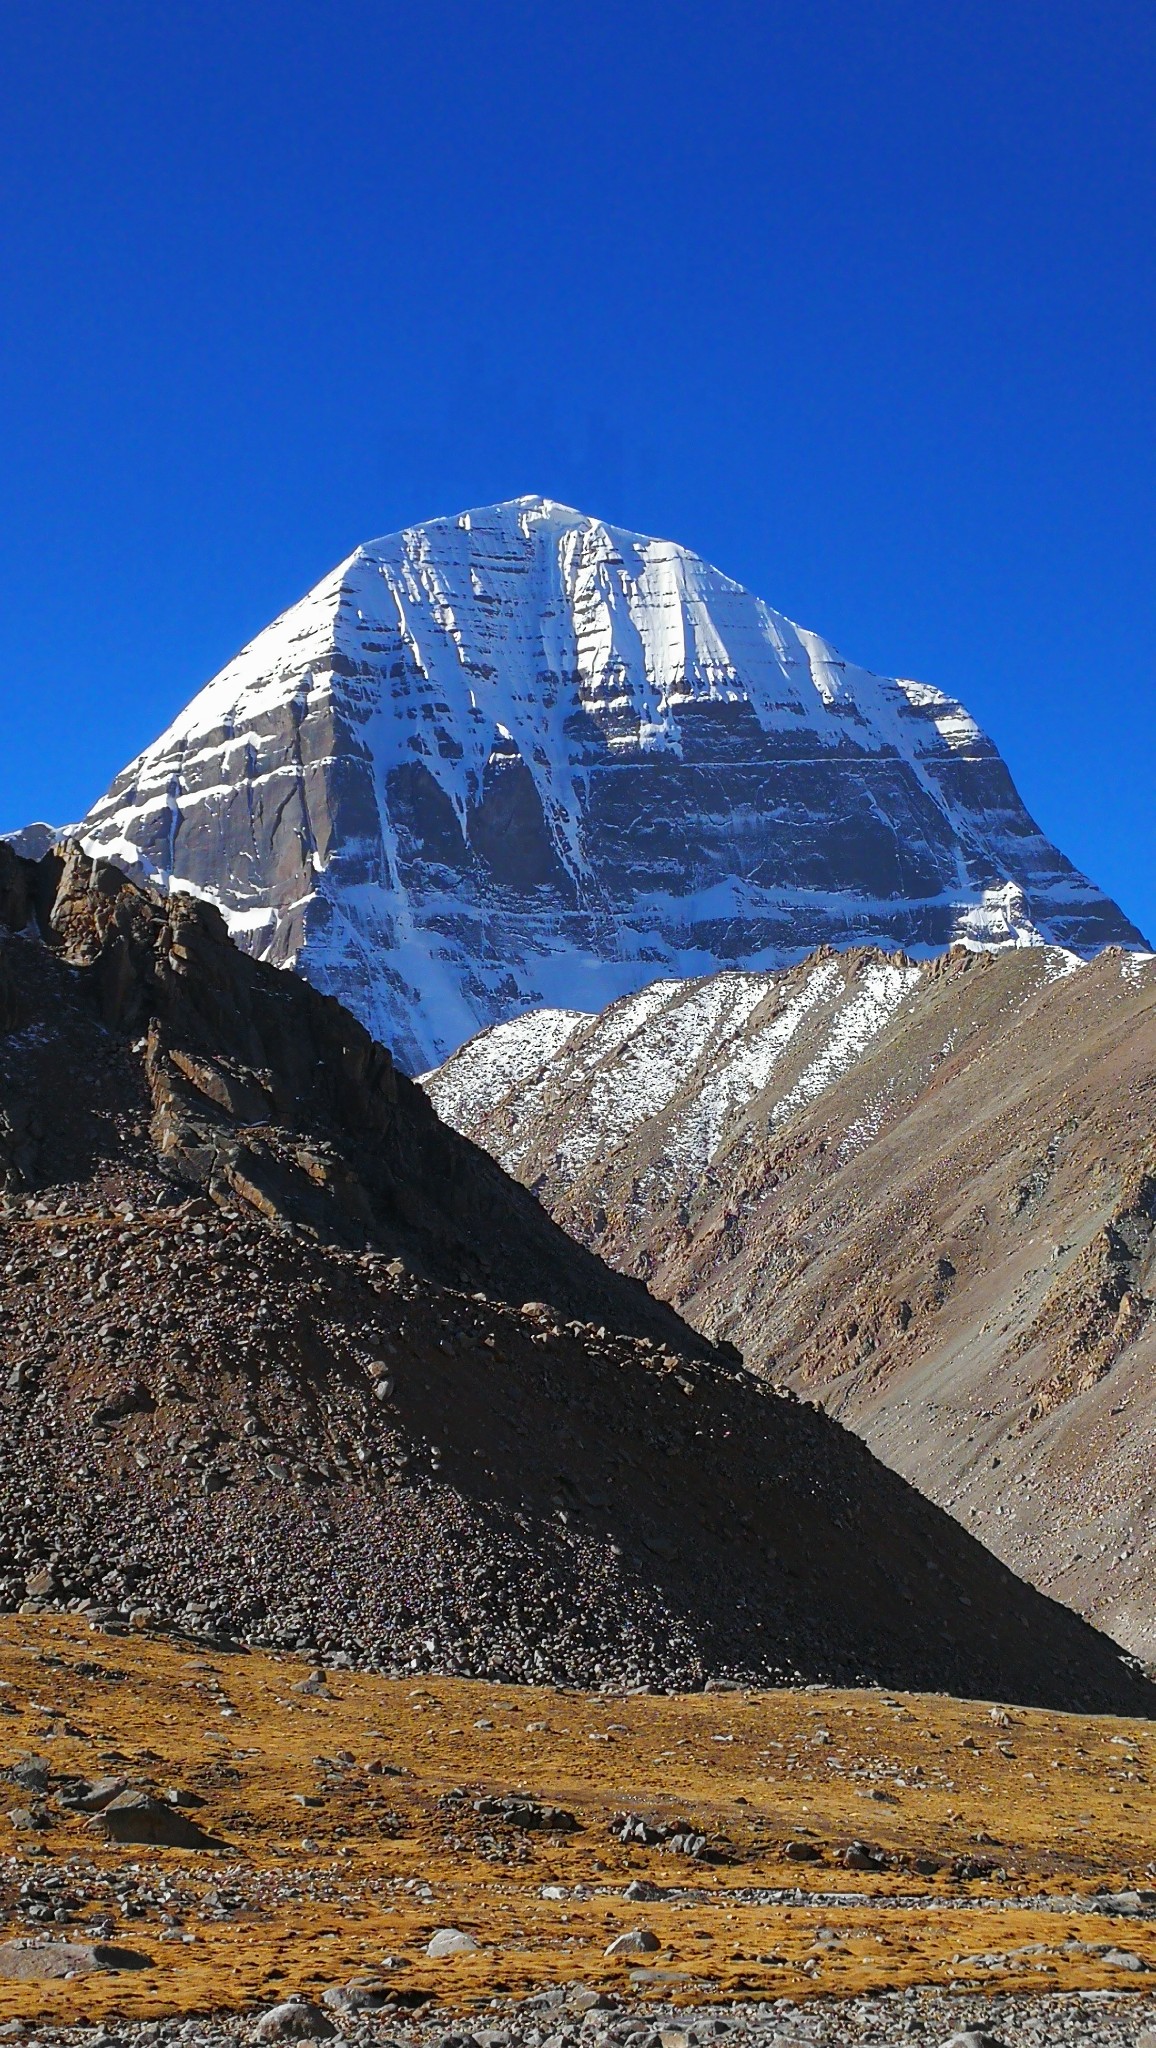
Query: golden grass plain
x=335, y=1809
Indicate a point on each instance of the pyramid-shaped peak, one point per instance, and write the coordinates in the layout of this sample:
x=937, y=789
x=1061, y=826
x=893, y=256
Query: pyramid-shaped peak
x=526, y=515
x=515, y=757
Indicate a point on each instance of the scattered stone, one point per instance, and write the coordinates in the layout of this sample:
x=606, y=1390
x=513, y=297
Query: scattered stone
x=317, y=1682
x=528, y=1813
x=28, y=1818
x=298, y=2019
x=357, y=1997
x=582, y=1998
x=861, y=1856
x=82, y=1795
x=31, y=1774
x=138, y=1817
x=639, y=1941
x=676, y=1838
x=450, y=1941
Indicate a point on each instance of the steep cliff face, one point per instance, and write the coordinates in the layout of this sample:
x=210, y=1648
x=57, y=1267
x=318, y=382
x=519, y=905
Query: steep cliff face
x=520, y=757
x=924, y=1194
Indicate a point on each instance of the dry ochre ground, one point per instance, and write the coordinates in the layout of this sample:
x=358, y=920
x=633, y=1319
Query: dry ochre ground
x=334, y=1810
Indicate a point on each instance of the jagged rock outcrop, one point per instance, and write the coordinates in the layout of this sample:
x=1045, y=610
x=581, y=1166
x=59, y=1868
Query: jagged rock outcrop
x=521, y=757
x=265, y=1094
x=252, y=1384
x=925, y=1194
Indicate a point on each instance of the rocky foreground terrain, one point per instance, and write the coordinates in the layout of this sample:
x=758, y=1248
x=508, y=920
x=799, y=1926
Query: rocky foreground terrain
x=288, y=1361
x=922, y=1194
x=1094, y=2019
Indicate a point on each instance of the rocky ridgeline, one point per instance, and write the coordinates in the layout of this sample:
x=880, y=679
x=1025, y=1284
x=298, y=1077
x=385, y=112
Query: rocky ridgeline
x=286, y=1360
x=143, y=1053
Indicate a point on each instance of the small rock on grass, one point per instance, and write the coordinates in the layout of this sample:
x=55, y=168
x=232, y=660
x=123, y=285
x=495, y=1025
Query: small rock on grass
x=298, y=2019
x=137, y=1817
x=450, y=1941
x=638, y=1941
x=582, y=1998
x=31, y=1774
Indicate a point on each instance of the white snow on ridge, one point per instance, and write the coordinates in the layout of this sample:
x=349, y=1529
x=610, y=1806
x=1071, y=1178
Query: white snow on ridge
x=684, y=1055
x=870, y=1009
x=639, y=1058
x=745, y=1071
x=489, y=1066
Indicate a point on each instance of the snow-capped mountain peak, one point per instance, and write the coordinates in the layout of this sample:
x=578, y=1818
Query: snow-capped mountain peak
x=520, y=757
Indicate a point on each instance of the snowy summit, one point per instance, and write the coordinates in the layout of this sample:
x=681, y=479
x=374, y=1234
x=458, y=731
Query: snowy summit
x=520, y=758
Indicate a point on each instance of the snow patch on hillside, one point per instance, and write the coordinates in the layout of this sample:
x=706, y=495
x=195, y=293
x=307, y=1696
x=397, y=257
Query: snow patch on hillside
x=688, y=1055
x=500, y=1059
x=868, y=1012
x=745, y=1070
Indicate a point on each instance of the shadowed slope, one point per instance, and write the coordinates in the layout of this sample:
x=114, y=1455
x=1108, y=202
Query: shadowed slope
x=923, y=1195
x=237, y=1410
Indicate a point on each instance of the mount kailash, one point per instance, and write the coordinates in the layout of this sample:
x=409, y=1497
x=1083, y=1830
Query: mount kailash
x=520, y=757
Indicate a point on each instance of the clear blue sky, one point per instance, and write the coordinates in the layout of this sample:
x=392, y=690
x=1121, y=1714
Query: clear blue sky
x=856, y=297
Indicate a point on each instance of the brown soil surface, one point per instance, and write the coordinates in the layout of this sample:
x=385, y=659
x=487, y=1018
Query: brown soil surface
x=350, y=1834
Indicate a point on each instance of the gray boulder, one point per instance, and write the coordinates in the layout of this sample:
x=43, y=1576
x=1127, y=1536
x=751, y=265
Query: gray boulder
x=638, y=1941
x=28, y=1960
x=297, y=2019
x=450, y=1941
x=139, y=1817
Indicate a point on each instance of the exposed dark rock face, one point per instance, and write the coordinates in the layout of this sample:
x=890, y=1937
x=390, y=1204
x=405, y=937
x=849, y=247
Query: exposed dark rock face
x=522, y=757
x=239, y=1395
x=262, y=1093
